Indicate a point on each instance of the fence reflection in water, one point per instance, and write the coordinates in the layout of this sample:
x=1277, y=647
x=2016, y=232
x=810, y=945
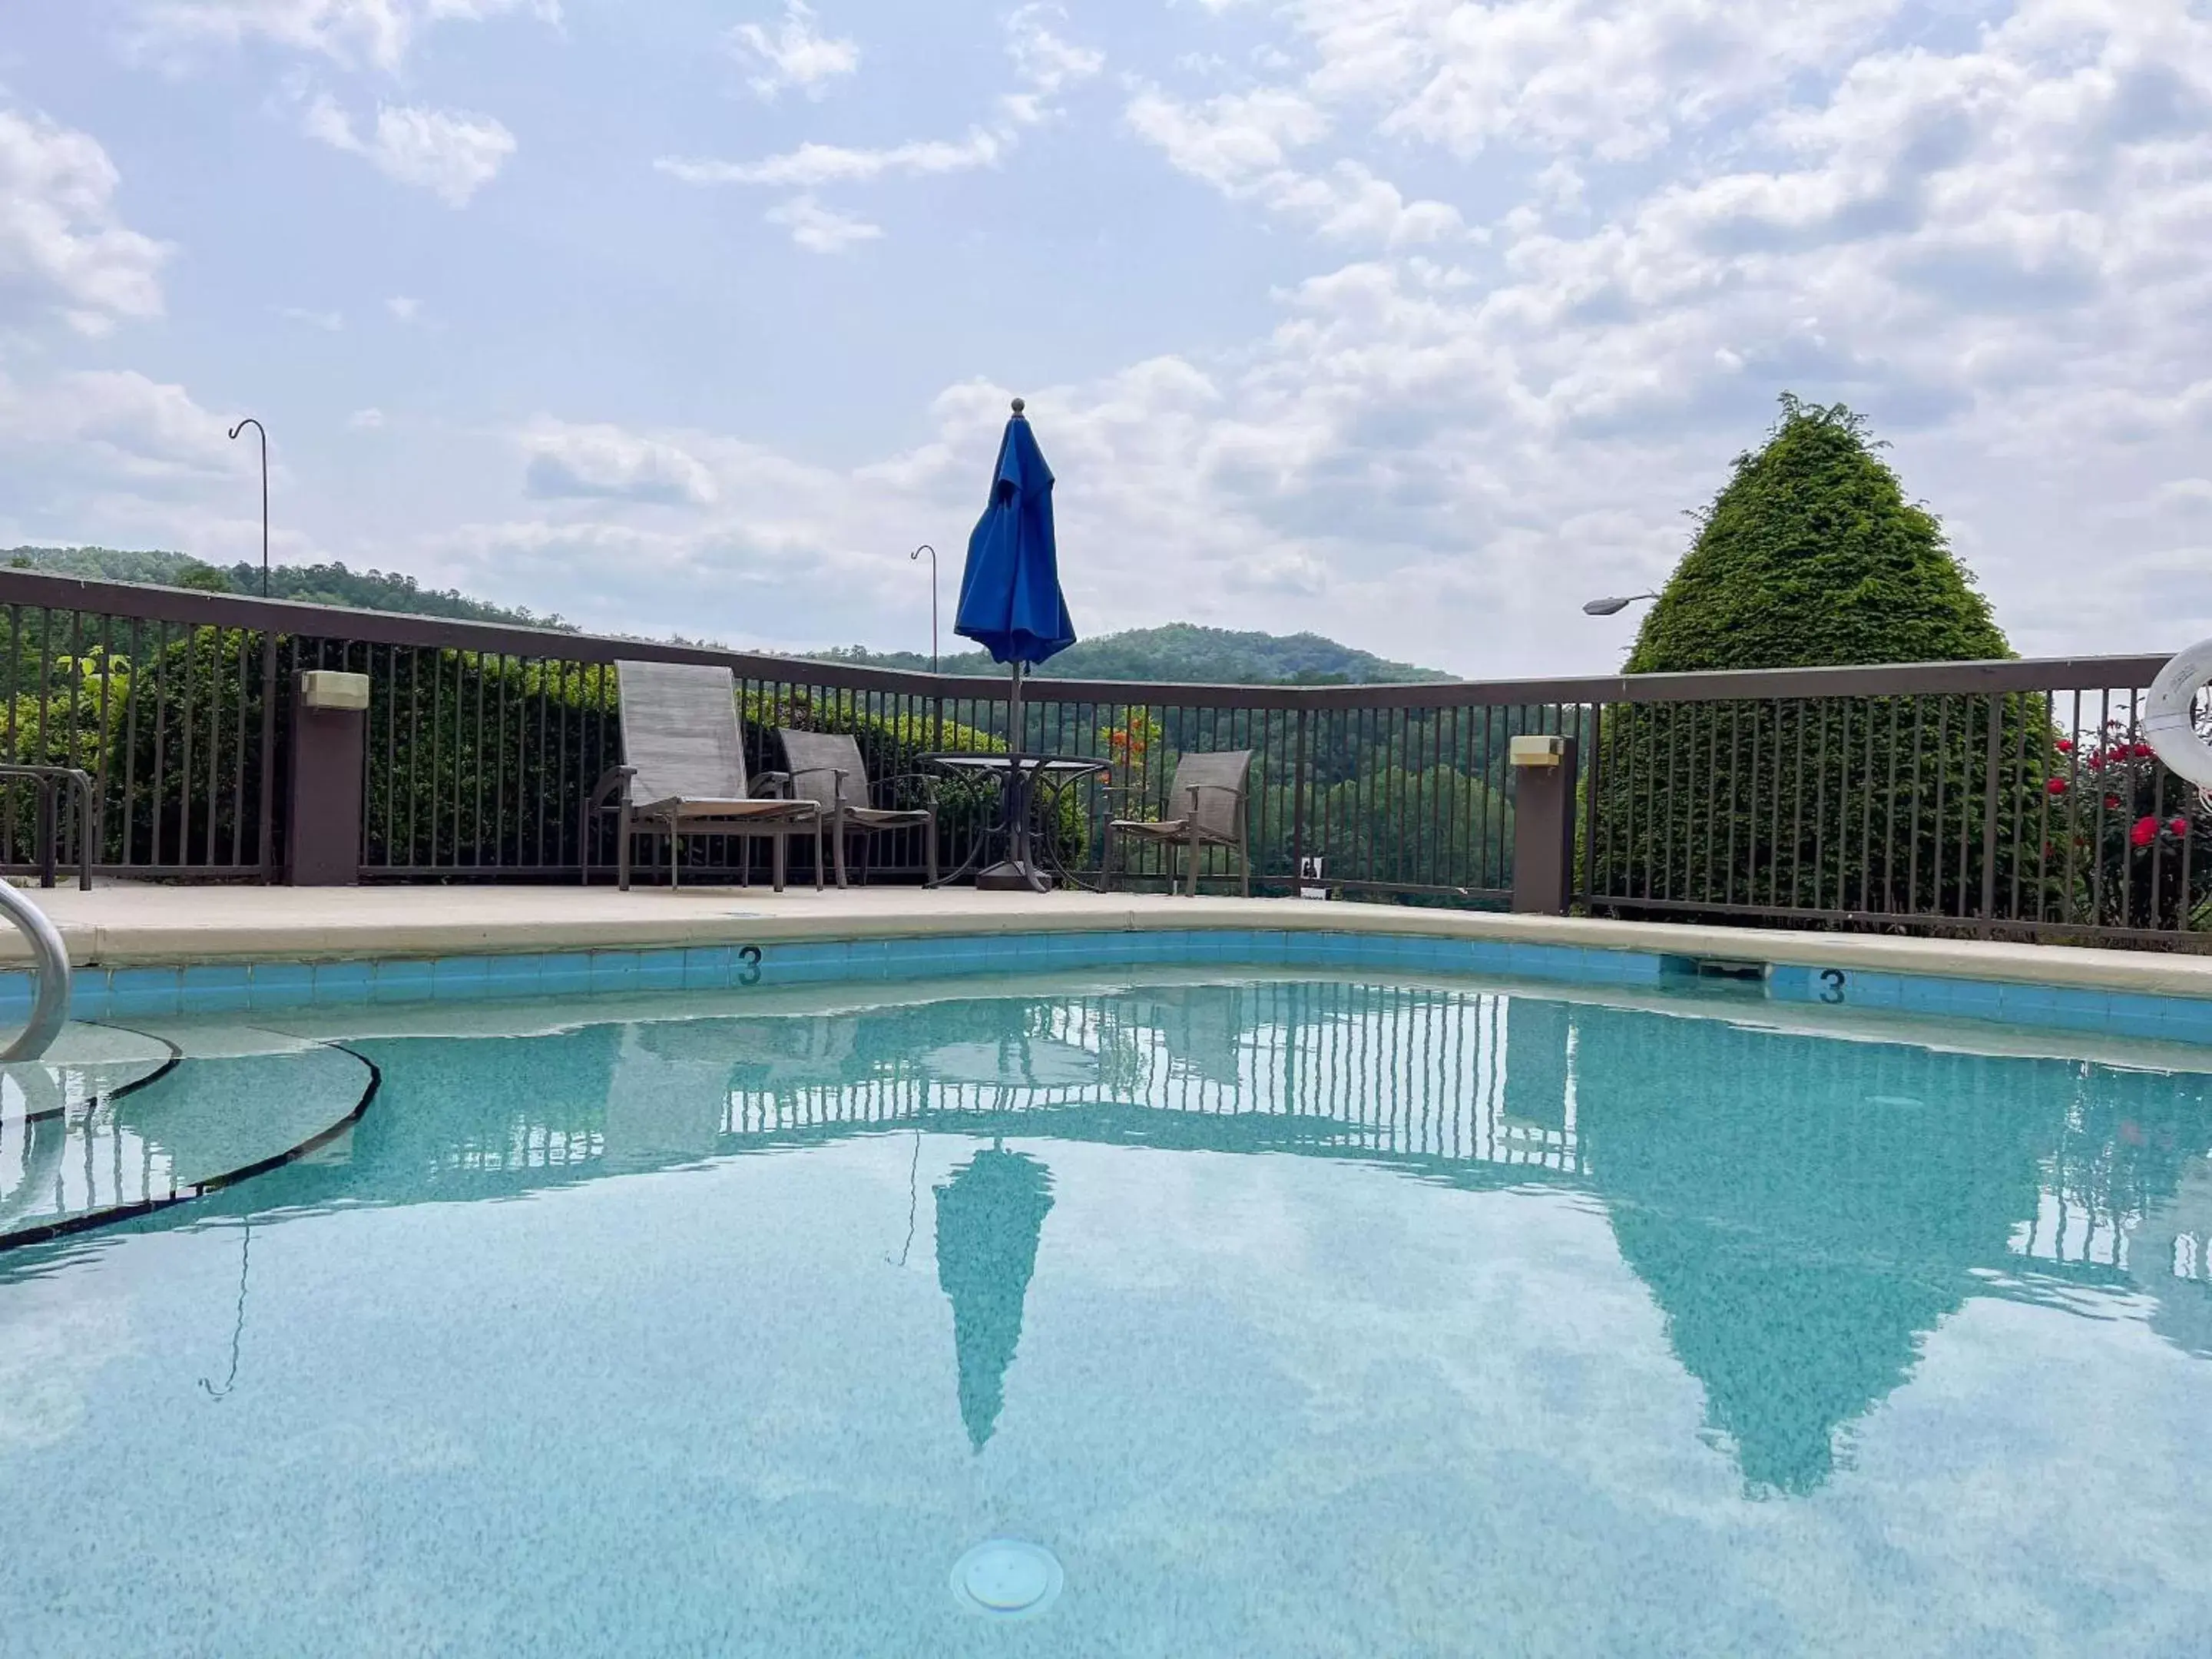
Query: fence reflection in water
x=1803, y=1210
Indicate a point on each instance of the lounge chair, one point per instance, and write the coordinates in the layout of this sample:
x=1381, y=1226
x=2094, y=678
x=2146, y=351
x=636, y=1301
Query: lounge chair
x=826, y=769
x=684, y=770
x=1209, y=789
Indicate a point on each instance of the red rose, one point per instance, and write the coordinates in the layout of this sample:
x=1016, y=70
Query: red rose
x=2180, y=826
x=2112, y=803
x=2143, y=751
x=2057, y=786
x=2065, y=745
x=2097, y=760
x=2145, y=832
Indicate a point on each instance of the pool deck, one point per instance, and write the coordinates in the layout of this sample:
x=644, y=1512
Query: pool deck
x=122, y=924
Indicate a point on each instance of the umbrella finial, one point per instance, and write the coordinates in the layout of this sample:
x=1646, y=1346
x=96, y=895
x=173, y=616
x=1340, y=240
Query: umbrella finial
x=1019, y=406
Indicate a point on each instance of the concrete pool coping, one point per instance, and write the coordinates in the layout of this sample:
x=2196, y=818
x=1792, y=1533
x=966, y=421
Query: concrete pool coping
x=120, y=925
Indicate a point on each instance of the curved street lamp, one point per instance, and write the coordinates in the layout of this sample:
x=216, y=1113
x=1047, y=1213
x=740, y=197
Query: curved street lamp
x=1614, y=605
x=264, y=432
x=917, y=553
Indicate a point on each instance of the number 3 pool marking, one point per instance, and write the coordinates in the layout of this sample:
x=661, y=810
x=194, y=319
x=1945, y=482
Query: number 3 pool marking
x=751, y=956
x=1833, y=979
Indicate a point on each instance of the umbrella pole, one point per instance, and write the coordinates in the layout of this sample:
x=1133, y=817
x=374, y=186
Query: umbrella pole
x=1015, y=873
x=1017, y=793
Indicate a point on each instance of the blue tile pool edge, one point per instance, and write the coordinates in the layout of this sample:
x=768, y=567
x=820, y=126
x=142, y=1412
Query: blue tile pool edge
x=234, y=988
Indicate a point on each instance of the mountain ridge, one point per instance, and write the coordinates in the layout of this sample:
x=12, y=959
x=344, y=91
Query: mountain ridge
x=1171, y=653
x=1179, y=653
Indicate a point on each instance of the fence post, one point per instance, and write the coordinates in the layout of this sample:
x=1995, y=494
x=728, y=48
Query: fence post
x=266, y=790
x=1590, y=785
x=323, y=808
x=1990, y=813
x=1544, y=768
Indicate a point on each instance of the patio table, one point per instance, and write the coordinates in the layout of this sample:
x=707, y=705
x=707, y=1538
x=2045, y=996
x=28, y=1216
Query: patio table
x=1019, y=776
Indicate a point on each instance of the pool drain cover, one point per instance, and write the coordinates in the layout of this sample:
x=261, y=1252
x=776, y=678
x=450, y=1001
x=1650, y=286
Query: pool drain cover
x=1007, y=1578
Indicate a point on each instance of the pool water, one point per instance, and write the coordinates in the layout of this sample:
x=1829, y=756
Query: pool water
x=1258, y=1317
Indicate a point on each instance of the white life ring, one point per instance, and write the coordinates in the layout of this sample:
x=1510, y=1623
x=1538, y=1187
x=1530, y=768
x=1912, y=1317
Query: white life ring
x=2169, y=724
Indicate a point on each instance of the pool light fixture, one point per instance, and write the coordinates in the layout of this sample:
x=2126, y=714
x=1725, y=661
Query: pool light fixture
x=1007, y=1578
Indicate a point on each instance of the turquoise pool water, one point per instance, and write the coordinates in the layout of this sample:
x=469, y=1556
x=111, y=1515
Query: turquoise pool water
x=1288, y=1316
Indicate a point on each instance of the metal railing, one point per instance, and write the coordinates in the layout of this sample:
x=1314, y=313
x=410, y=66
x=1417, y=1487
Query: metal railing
x=50, y=995
x=2010, y=799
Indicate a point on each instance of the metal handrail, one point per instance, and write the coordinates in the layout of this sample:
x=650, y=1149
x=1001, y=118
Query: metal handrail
x=49, y=1003
x=80, y=784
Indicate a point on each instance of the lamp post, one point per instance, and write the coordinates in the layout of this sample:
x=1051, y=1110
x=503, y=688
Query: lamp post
x=917, y=553
x=1614, y=604
x=264, y=432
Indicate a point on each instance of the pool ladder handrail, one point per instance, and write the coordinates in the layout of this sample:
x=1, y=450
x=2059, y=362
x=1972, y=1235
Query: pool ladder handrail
x=50, y=1000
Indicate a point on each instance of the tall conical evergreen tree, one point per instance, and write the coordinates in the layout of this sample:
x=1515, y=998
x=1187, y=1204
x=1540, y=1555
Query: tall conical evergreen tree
x=1810, y=556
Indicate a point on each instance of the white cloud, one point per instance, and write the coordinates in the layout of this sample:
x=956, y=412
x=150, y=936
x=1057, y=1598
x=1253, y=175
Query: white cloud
x=118, y=426
x=61, y=246
x=604, y=462
x=403, y=308
x=119, y=459
x=365, y=419
x=1242, y=145
x=330, y=322
x=819, y=230
x=373, y=32
x=1044, y=64
x=1347, y=202
x=1231, y=139
x=1591, y=75
x=796, y=55
x=450, y=154
x=811, y=165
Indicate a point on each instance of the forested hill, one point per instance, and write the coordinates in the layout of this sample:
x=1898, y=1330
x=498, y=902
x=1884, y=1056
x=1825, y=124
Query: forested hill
x=316, y=584
x=1177, y=653
x=1183, y=654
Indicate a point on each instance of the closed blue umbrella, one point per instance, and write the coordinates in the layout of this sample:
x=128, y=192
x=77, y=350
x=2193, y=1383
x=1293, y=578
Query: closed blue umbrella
x=1010, y=599
x=1011, y=605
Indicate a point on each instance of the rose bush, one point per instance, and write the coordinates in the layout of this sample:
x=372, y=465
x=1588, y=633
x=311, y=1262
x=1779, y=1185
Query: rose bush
x=2127, y=844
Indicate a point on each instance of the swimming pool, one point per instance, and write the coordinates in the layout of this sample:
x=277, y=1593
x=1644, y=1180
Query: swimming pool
x=1282, y=1314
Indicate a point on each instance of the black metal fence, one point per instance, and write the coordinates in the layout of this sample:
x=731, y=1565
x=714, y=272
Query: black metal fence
x=2011, y=799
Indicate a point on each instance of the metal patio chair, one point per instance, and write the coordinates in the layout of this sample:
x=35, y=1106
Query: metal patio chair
x=826, y=769
x=684, y=770
x=1210, y=789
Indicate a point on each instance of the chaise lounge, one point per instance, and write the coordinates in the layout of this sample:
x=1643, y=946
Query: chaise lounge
x=684, y=771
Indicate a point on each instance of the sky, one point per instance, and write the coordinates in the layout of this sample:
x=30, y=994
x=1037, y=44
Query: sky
x=1411, y=322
